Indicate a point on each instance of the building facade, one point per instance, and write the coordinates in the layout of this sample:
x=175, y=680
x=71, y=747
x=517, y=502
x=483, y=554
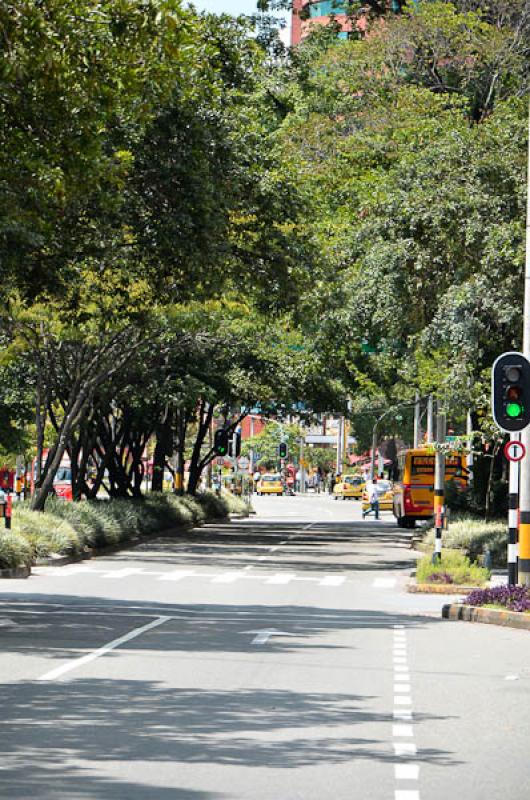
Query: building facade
x=307, y=13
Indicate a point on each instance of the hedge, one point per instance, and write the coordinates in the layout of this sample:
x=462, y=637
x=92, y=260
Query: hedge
x=72, y=528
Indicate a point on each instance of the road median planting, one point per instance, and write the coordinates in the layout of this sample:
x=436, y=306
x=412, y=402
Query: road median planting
x=67, y=532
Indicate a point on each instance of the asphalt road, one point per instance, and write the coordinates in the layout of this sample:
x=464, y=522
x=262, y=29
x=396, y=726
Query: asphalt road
x=277, y=658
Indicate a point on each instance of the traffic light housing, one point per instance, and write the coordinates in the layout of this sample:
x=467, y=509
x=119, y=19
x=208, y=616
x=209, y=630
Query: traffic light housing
x=282, y=450
x=510, y=391
x=220, y=442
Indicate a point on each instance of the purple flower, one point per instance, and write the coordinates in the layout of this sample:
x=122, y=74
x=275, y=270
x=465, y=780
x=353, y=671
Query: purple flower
x=439, y=577
x=514, y=598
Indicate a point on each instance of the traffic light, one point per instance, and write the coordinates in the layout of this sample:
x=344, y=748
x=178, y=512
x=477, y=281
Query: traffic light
x=510, y=391
x=220, y=442
x=282, y=450
x=235, y=444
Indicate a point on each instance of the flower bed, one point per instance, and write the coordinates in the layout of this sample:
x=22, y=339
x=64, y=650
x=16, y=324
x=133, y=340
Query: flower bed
x=454, y=568
x=514, y=598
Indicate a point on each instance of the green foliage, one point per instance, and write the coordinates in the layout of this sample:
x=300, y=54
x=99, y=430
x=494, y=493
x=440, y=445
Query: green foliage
x=265, y=445
x=15, y=550
x=46, y=533
x=473, y=537
x=454, y=564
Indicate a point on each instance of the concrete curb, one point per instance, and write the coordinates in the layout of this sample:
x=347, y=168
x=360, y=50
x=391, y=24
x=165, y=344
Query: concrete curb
x=439, y=588
x=15, y=572
x=488, y=616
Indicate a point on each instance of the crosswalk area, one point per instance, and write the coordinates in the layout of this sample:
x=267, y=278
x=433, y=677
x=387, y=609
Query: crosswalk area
x=181, y=575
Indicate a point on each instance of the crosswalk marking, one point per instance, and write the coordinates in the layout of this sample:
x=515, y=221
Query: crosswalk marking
x=122, y=573
x=384, y=583
x=281, y=578
x=177, y=575
x=227, y=577
x=332, y=580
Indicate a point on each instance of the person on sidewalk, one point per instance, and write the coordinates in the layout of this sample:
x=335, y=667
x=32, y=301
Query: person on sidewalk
x=373, y=499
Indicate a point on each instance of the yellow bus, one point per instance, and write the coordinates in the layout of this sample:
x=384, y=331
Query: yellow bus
x=414, y=491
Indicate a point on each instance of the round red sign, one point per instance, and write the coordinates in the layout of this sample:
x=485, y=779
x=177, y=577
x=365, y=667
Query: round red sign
x=514, y=451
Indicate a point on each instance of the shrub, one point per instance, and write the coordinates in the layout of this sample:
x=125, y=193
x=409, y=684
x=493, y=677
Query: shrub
x=15, y=550
x=455, y=566
x=515, y=598
x=46, y=533
x=68, y=528
x=473, y=537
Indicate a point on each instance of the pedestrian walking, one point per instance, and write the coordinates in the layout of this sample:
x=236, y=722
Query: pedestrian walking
x=373, y=499
x=256, y=477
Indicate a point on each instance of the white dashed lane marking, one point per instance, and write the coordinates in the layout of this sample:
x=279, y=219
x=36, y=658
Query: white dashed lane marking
x=404, y=748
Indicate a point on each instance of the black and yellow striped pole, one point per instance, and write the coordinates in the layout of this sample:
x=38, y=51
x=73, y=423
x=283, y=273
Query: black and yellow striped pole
x=439, y=484
x=524, y=497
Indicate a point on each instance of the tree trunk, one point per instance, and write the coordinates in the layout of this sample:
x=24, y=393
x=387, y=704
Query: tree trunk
x=163, y=448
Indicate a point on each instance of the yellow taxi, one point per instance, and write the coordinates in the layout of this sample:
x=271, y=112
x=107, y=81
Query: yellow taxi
x=349, y=486
x=385, y=493
x=270, y=484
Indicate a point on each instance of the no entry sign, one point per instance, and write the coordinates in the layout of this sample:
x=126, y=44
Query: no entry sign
x=514, y=451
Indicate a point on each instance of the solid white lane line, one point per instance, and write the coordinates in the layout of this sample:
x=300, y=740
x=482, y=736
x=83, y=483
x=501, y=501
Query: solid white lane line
x=78, y=662
x=402, y=731
x=406, y=772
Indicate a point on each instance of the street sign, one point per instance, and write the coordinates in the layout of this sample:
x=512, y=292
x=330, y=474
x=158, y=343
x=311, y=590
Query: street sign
x=243, y=462
x=514, y=451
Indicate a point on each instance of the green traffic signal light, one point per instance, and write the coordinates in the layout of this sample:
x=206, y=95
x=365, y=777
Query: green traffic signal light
x=514, y=410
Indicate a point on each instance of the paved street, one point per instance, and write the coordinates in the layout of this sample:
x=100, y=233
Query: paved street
x=275, y=658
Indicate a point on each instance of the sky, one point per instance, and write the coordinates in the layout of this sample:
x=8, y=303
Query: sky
x=234, y=7
x=226, y=6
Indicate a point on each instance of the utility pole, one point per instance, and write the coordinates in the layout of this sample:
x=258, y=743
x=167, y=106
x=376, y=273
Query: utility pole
x=524, y=499
x=430, y=420
x=340, y=436
x=417, y=433
x=439, y=484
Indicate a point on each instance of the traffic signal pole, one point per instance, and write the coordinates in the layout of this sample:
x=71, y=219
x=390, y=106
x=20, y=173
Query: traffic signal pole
x=524, y=528
x=513, y=519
